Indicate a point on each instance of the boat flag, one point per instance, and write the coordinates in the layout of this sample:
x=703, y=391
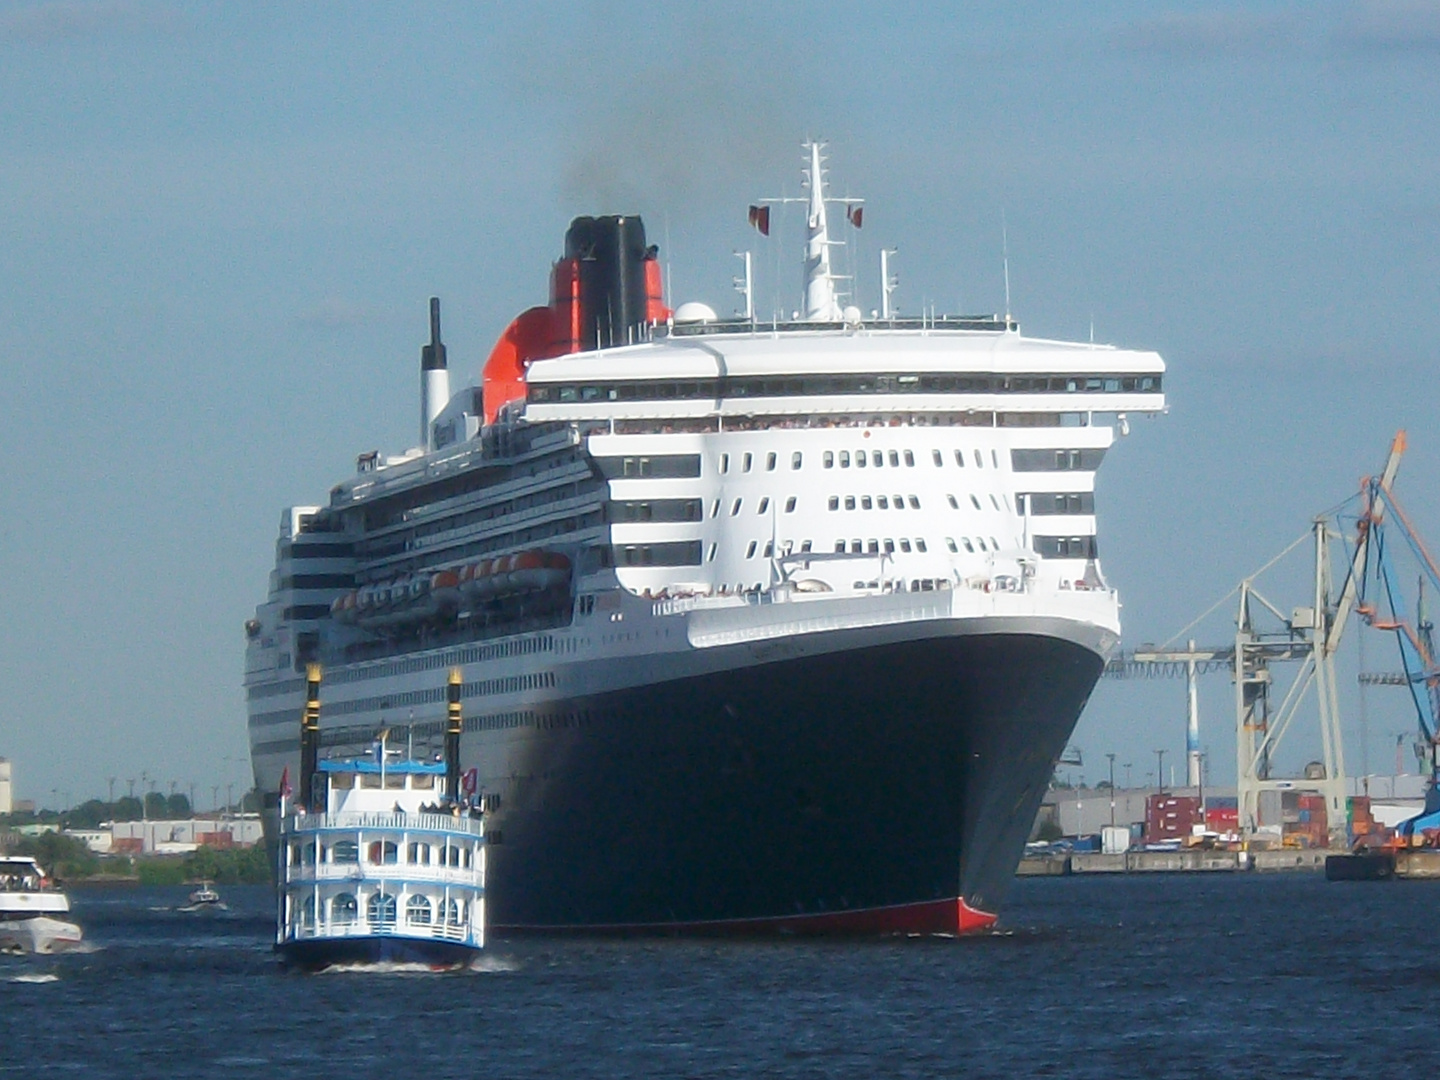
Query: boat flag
x=854, y=214
x=469, y=780
x=760, y=218
x=285, y=782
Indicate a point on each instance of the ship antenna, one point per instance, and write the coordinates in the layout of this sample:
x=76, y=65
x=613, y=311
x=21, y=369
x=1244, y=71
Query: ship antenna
x=1005, y=257
x=820, y=302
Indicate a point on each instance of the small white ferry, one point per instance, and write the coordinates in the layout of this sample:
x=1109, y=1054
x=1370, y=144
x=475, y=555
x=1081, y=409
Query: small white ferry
x=32, y=910
x=380, y=860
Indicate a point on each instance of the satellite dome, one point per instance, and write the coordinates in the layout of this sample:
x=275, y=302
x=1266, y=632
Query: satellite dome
x=693, y=311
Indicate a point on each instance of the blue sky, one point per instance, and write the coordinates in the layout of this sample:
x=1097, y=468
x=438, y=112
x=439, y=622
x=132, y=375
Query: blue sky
x=220, y=223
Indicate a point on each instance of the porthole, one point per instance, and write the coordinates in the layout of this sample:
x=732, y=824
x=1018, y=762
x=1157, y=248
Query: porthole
x=844, y=459
x=735, y=507
x=979, y=461
x=904, y=544
x=710, y=555
x=894, y=460
x=834, y=502
x=882, y=502
x=861, y=459
x=849, y=502
x=976, y=501
x=968, y=546
x=960, y=458
x=829, y=459
x=724, y=463
x=873, y=547
x=889, y=547
x=950, y=543
x=865, y=503
x=769, y=548
x=899, y=501
x=914, y=502
x=920, y=544
x=877, y=458
x=995, y=543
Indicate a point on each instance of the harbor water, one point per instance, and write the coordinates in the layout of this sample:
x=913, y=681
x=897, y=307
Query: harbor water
x=1142, y=976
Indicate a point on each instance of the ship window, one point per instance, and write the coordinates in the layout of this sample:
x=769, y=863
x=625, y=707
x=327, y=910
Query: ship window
x=995, y=543
x=865, y=502
x=899, y=502
x=370, y=780
x=834, y=502
x=764, y=505
x=976, y=501
x=882, y=502
x=994, y=502
x=889, y=547
x=877, y=458
x=844, y=459
x=857, y=547
x=979, y=461
x=343, y=909
x=829, y=459
x=968, y=546
x=920, y=545
x=422, y=782
x=894, y=460
x=344, y=851
x=715, y=508
x=950, y=543
x=710, y=556
x=454, y=913
x=394, y=781
x=805, y=546
x=994, y=459
x=914, y=502
x=981, y=541
x=769, y=548
x=385, y=852
x=939, y=459
x=860, y=459
x=873, y=547
x=467, y=857
x=770, y=462
x=745, y=463
x=418, y=911
x=796, y=459
x=790, y=505
x=953, y=504
x=750, y=551
x=419, y=854
x=909, y=458
x=735, y=507
x=904, y=544
x=839, y=547
x=724, y=463
x=960, y=458
x=452, y=855
x=380, y=908
x=849, y=502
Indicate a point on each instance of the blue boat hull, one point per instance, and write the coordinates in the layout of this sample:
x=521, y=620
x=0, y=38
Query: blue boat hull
x=317, y=954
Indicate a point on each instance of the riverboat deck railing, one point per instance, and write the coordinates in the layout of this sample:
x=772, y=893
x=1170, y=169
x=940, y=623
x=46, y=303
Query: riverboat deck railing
x=298, y=824
x=442, y=931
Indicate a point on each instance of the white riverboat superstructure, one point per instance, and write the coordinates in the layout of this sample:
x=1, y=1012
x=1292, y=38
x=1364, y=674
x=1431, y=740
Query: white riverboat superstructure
x=34, y=913
x=760, y=624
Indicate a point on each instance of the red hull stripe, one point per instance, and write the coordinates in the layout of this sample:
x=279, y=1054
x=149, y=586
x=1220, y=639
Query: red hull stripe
x=953, y=916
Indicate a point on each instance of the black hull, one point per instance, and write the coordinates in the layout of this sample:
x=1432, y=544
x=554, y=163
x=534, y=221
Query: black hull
x=885, y=788
x=318, y=954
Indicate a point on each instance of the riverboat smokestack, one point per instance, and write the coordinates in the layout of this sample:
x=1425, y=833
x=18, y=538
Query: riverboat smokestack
x=453, y=725
x=310, y=735
x=434, y=379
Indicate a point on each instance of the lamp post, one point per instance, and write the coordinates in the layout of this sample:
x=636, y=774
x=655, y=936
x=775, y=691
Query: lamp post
x=1111, y=758
x=1160, y=771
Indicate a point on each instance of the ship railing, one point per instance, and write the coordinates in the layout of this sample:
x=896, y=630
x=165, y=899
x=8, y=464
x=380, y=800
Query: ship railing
x=469, y=877
x=385, y=822
x=462, y=932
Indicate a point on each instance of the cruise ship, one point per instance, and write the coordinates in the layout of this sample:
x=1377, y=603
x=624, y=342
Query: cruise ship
x=763, y=626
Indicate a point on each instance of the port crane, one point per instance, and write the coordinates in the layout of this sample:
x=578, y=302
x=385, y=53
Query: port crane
x=1381, y=604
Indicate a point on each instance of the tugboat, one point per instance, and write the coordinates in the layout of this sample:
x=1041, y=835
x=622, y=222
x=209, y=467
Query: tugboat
x=31, y=908
x=379, y=859
x=204, y=899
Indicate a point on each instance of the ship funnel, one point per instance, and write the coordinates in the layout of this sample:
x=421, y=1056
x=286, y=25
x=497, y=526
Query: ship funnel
x=434, y=379
x=453, y=726
x=310, y=736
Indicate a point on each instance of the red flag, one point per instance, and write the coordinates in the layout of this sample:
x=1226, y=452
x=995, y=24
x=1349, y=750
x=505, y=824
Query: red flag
x=285, y=783
x=469, y=780
x=855, y=214
x=760, y=218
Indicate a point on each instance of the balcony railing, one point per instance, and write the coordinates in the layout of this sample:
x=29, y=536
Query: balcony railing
x=299, y=824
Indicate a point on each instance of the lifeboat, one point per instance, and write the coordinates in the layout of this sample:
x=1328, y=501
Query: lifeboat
x=490, y=576
x=445, y=592
x=343, y=609
x=526, y=568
